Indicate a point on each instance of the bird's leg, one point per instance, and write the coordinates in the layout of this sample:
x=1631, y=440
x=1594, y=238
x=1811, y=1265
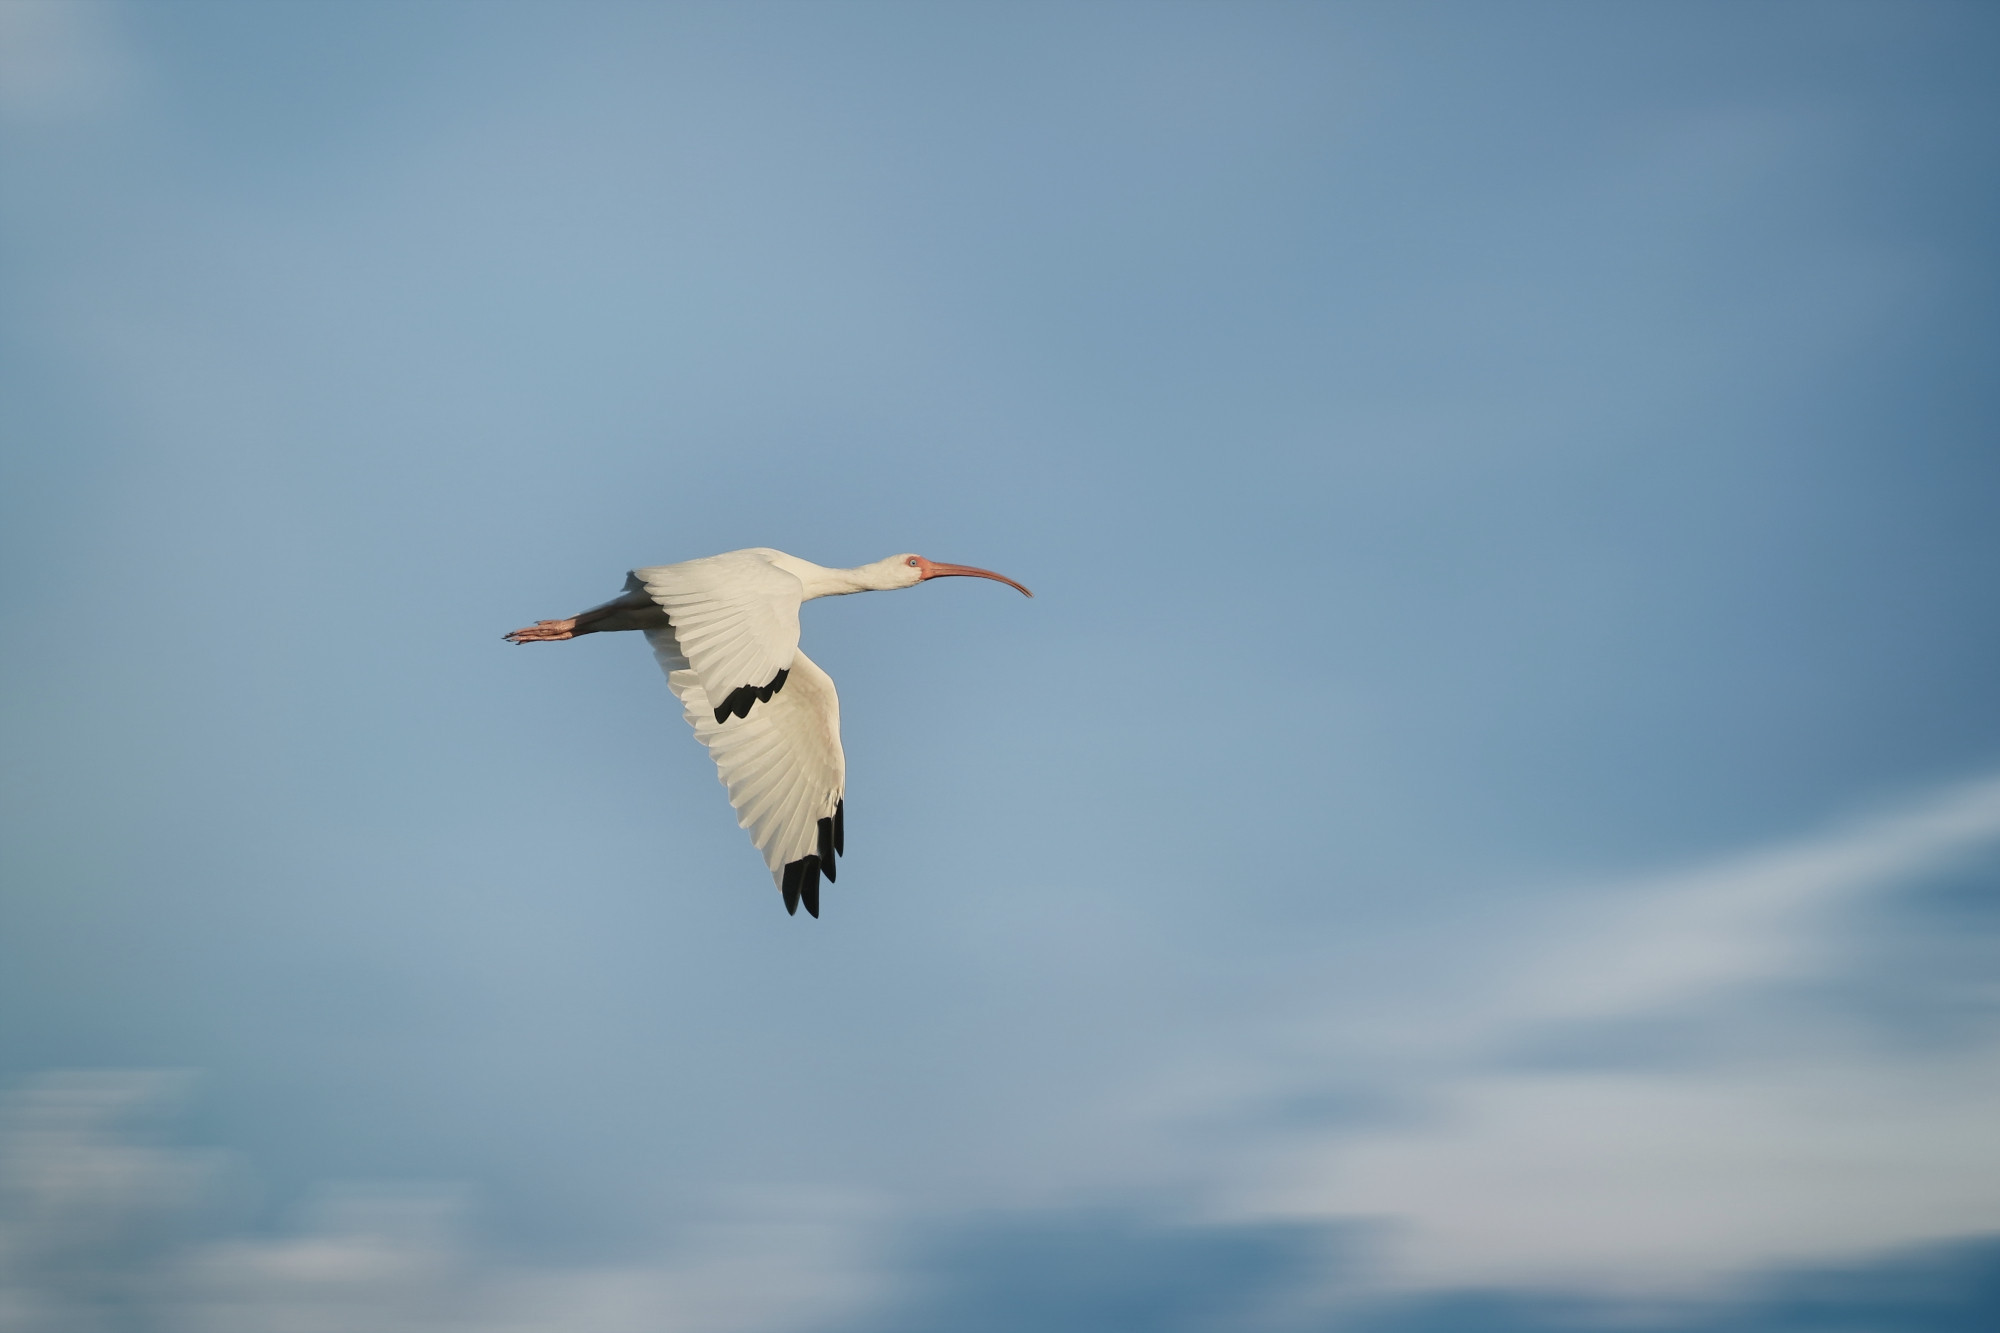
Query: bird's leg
x=545, y=631
x=633, y=610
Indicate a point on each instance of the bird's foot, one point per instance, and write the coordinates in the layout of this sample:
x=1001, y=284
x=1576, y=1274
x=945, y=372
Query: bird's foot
x=545, y=631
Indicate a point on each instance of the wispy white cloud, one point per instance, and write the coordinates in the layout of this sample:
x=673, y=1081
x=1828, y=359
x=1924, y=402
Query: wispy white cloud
x=1814, y=1149
x=377, y=1271
x=1616, y=1174
x=1748, y=919
x=101, y=1227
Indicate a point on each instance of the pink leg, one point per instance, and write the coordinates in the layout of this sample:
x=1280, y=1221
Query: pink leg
x=543, y=631
x=633, y=610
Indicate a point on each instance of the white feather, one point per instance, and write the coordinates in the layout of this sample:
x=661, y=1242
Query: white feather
x=735, y=618
x=782, y=765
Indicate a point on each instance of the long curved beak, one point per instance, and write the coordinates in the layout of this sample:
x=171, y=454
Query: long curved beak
x=931, y=569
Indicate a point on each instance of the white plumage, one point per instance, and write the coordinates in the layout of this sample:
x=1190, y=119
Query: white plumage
x=735, y=616
x=781, y=762
x=725, y=630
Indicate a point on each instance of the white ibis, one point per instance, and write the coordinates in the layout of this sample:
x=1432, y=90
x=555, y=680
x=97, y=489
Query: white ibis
x=726, y=631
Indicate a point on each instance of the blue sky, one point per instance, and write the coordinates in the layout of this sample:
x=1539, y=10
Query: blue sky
x=1491, y=814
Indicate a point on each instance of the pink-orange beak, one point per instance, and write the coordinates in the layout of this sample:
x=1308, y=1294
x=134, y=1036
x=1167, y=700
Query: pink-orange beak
x=930, y=569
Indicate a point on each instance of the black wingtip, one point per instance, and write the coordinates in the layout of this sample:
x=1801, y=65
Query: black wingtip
x=803, y=875
x=826, y=862
x=794, y=872
x=840, y=827
x=801, y=885
x=809, y=887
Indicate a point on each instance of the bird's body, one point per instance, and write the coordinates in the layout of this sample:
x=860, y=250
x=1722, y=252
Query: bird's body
x=725, y=629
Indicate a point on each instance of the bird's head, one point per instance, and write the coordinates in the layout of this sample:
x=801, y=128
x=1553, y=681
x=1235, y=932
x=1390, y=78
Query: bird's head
x=908, y=570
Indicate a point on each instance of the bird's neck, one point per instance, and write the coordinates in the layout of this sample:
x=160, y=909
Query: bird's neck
x=820, y=581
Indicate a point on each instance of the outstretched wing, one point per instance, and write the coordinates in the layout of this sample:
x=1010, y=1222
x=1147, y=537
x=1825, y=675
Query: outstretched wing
x=781, y=763
x=736, y=619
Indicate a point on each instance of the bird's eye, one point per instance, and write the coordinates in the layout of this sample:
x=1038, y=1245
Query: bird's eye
x=911, y=562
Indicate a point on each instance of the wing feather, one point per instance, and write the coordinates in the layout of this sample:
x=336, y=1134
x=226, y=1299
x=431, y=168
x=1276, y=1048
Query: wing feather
x=782, y=763
x=735, y=620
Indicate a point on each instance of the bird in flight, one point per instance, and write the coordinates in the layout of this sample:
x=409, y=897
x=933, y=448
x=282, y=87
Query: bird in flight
x=725, y=629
